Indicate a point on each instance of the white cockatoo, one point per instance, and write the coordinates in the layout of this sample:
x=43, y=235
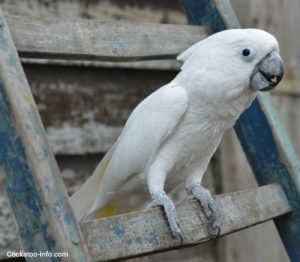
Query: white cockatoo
x=170, y=137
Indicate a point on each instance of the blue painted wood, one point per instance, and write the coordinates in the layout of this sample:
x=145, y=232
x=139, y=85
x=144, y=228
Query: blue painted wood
x=30, y=175
x=261, y=134
x=140, y=233
x=210, y=13
x=204, y=13
x=20, y=184
x=273, y=160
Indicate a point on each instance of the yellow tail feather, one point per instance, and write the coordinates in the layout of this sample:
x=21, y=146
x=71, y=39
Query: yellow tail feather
x=83, y=199
x=106, y=211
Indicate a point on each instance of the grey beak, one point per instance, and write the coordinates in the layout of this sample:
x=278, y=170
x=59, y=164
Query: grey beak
x=268, y=73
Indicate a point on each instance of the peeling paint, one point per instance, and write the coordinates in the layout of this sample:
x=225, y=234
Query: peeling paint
x=153, y=239
x=139, y=240
x=119, y=231
x=22, y=161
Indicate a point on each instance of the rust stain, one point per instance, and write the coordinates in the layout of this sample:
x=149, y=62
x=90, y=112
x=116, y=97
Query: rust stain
x=28, y=98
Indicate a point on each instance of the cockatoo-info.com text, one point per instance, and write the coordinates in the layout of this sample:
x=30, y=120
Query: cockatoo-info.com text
x=170, y=137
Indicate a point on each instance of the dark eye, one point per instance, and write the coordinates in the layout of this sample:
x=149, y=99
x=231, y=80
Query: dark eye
x=247, y=53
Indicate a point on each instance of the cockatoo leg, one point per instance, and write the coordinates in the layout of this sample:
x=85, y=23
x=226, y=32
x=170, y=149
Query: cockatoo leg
x=207, y=203
x=160, y=198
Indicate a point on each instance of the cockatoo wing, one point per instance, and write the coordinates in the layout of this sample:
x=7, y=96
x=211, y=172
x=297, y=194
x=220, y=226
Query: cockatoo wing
x=147, y=128
x=152, y=121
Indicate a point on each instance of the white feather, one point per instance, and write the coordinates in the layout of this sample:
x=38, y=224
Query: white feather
x=152, y=121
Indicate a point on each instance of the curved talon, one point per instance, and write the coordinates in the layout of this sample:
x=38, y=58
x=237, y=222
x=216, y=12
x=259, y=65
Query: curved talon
x=161, y=199
x=217, y=226
x=180, y=237
x=207, y=203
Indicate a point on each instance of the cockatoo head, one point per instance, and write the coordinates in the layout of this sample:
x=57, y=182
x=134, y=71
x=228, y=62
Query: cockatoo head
x=245, y=58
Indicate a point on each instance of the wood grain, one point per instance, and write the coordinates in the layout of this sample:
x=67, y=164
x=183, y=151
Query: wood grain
x=145, y=232
x=32, y=180
x=38, y=37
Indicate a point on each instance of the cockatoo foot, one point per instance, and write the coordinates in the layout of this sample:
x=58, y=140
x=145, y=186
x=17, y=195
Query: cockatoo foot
x=161, y=199
x=208, y=205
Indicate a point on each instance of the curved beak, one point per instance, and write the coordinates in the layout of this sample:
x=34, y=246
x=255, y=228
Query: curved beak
x=268, y=72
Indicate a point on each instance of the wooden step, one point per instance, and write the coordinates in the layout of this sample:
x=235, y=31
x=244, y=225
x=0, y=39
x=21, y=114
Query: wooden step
x=39, y=37
x=145, y=232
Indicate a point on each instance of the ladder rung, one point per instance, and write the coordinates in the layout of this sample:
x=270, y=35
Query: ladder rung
x=39, y=37
x=147, y=231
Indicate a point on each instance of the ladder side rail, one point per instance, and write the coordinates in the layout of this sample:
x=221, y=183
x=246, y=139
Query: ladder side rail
x=29, y=172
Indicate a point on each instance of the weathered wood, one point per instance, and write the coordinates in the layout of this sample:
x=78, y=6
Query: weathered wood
x=154, y=11
x=279, y=19
x=39, y=37
x=258, y=243
x=30, y=175
x=214, y=13
x=84, y=108
x=264, y=141
x=273, y=159
x=145, y=232
x=291, y=88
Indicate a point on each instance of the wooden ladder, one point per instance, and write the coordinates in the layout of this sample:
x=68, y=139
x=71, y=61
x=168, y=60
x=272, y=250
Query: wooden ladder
x=31, y=178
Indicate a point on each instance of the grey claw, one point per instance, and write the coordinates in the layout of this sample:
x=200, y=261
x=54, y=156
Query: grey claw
x=207, y=204
x=181, y=238
x=161, y=199
x=218, y=231
x=216, y=226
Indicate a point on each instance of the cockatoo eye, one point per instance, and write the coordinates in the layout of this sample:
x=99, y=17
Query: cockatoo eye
x=247, y=53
